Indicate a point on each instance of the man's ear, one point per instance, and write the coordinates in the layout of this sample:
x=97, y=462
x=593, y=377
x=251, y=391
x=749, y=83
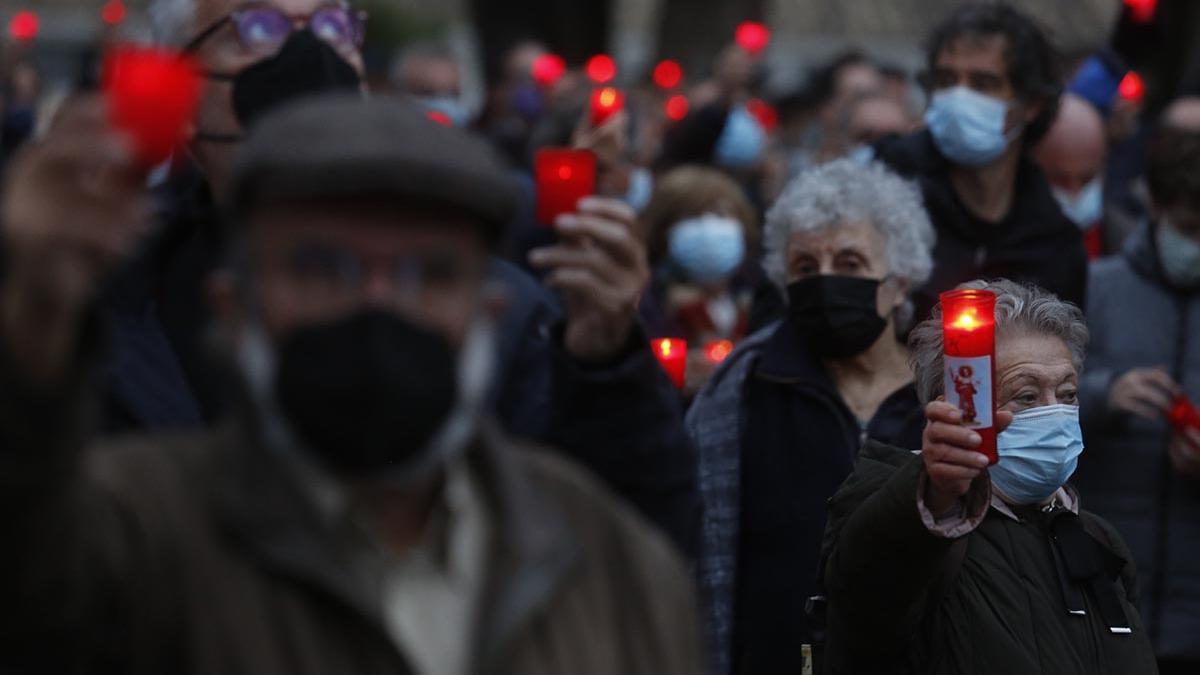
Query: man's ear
x=1032, y=111
x=221, y=289
x=495, y=301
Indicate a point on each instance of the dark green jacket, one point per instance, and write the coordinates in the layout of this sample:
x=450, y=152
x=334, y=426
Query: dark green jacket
x=902, y=600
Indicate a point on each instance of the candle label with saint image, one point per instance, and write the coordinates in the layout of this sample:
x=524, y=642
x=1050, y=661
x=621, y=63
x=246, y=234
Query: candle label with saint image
x=968, y=386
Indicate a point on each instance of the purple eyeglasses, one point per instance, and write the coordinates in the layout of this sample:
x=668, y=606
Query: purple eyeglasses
x=262, y=28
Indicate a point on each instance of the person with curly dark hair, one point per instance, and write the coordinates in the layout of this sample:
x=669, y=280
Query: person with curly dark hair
x=994, y=81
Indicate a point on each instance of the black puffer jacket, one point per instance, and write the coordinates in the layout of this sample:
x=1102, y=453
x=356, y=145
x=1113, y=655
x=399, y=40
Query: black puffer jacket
x=902, y=600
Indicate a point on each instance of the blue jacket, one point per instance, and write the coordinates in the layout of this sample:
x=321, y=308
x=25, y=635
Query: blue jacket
x=1137, y=320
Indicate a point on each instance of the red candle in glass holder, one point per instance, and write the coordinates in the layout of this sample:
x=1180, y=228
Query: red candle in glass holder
x=606, y=102
x=564, y=176
x=152, y=95
x=672, y=355
x=969, y=338
x=1183, y=415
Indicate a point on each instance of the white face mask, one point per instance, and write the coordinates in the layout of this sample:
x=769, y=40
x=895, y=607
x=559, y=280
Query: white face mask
x=1038, y=453
x=1085, y=208
x=1180, y=256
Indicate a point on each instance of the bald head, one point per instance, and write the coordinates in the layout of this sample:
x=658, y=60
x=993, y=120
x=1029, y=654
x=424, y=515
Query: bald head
x=1183, y=114
x=1173, y=162
x=1074, y=151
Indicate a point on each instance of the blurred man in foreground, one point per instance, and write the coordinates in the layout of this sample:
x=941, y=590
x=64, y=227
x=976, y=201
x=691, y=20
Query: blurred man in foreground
x=358, y=516
x=553, y=364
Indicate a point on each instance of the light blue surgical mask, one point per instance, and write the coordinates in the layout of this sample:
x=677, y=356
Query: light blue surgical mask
x=1180, y=256
x=968, y=127
x=1085, y=208
x=861, y=154
x=449, y=106
x=707, y=249
x=742, y=142
x=641, y=188
x=1038, y=453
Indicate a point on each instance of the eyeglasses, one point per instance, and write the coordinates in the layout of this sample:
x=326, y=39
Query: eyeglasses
x=330, y=272
x=262, y=28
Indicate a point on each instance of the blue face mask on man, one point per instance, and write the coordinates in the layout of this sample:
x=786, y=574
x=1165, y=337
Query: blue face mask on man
x=707, y=249
x=1038, y=453
x=449, y=106
x=742, y=142
x=968, y=127
x=1180, y=256
x=1085, y=208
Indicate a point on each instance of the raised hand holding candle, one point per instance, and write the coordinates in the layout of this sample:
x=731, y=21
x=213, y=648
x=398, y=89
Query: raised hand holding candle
x=606, y=102
x=563, y=177
x=969, y=338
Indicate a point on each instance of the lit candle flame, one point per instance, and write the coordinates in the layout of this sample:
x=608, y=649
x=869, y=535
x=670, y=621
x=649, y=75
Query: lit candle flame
x=664, y=347
x=608, y=97
x=967, y=320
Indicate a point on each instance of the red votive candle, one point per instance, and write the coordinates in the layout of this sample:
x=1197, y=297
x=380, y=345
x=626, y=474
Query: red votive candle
x=672, y=356
x=152, y=96
x=1183, y=415
x=969, y=338
x=606, y=102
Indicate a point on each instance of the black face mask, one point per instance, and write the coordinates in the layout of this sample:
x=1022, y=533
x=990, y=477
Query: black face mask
x=838, y=316
x=366, y=394
x=305, y=65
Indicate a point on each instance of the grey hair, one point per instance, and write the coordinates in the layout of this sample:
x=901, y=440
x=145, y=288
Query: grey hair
x=845, y=190
x=172, y=20
x=1020, y=308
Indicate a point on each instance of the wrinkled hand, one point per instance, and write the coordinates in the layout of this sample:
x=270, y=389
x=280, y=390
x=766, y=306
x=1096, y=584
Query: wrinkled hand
x=608, y=143
x=600, y=267
x=74, y=205
x=1145, y=392
x=1184, y=451
x=948, y=450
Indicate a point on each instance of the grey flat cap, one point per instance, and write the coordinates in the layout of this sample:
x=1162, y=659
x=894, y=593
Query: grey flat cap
x=343, y=146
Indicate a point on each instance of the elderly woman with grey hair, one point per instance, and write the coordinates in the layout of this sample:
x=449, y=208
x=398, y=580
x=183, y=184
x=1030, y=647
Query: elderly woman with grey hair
x=779, y=425
x=936, y=563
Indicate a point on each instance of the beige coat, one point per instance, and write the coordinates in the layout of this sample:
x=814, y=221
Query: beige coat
x=196, y=555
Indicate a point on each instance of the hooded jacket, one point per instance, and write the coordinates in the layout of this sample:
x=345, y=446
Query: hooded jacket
x=1138, y=320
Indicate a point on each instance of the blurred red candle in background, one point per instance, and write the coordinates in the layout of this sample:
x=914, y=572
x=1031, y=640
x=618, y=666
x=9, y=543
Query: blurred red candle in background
x=969, y=335
x=152, y=95
x=672, y=355
x=548, y=69
x=1132, y=87
x=1183, y=415
x=606, y=102
x=668, y=74
x=752, y=36
x=676, y=107
x=563, y=176
x=718, y=350
x=601, y=68
x=24, y=26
